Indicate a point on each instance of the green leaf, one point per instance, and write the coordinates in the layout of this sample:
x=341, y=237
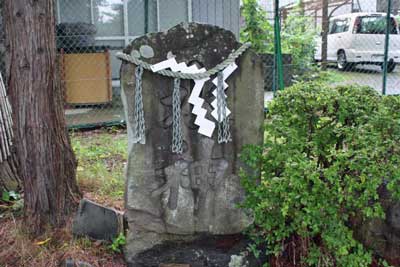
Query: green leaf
x=5, y=196
x=327, y=152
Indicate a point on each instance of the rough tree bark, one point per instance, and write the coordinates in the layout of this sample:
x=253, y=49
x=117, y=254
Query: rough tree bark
x=8, y=169
x=9, y=179
x=2, y=48
x=47, y=164
x=8, y=175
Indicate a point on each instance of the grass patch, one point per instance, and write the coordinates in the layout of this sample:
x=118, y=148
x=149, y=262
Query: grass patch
x=101, y=156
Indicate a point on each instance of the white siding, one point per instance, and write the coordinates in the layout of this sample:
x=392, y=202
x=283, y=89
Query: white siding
x=223, y=13
x=171, y=13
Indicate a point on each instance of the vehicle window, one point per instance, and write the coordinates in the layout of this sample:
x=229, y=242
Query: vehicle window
x=375, y=25
x=339, y=25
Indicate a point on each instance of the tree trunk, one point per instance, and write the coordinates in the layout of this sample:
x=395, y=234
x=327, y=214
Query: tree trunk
x=325, y=30
x=47, y=164
x=2, y=48
x=9, y=179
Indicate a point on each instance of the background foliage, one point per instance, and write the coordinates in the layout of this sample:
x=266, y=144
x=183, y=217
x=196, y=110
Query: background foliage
x=298, y=38
x=327, y=152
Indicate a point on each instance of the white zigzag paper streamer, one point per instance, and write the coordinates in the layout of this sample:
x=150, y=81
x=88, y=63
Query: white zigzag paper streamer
x=227, y=72
x=206, y=127
x=175, y=66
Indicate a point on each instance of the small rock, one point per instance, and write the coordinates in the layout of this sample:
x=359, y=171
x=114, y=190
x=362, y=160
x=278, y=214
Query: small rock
x=68, y=263
x=146, y=51
x=237, y=261
x=96, y=221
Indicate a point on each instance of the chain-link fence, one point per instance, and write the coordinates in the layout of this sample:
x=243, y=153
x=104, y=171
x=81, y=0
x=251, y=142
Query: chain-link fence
x=90, y=32
x=352, y=44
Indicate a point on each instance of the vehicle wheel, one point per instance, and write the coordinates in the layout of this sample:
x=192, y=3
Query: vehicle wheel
x=391, y=67
x=342, y=63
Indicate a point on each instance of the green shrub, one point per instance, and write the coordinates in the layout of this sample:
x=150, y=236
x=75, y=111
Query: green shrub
x=298, y=38
x=257, y=30
x=326, y=153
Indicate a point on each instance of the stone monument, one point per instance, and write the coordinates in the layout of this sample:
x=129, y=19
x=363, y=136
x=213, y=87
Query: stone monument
x=180, y=196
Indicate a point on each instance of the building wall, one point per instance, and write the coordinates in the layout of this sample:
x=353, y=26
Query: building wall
x=364, y=6
x=223, y=13
x=381, y=6
x=268, y=6
x=172, y=12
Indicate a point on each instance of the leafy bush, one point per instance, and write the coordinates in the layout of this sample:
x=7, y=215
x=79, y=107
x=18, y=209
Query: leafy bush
x=326, y=153
x=118, y=243
x=258, y=31
x=298, y=38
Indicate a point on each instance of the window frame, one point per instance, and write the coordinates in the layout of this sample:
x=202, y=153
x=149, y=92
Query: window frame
x=334, y=21
x=126, y=37
x=359, y=19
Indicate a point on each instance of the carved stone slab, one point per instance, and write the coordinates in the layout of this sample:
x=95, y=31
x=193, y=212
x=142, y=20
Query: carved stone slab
x=171, y=197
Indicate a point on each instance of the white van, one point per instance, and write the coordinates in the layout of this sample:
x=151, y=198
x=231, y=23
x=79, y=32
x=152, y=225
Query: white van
x=359, y=38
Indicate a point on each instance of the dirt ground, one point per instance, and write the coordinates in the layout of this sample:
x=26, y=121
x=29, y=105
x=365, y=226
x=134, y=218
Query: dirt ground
x=51, y=249
x=101, y=160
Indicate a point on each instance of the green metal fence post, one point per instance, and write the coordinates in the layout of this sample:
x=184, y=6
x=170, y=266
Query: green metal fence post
x=386, y=52
x=278, y=48
x=146, y=16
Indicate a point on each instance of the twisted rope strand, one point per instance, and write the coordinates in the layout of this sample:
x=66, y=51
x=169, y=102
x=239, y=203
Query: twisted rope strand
x=188, y=76
x=177, y=132
x=139, y=121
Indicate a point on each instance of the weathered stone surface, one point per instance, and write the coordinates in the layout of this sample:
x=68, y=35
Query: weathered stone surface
x=393, y=217
x=208, y=251
x=383, y=235
x=172, y=197
x=176, y=197
x=238, y=261
x=96, y=221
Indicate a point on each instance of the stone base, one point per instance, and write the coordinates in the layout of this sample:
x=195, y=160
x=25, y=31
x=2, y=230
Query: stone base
x=138, y=242
x=210, y=251
x=96, y=221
